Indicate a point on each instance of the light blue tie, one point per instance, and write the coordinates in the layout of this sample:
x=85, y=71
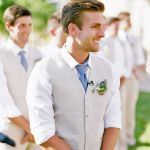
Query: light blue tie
x=82, y=70
x=23, y=60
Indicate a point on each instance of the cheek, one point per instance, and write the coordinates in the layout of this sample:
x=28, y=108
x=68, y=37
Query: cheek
x=16, y=32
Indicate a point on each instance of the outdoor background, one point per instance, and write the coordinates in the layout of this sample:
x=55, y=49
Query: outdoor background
x=140, y=14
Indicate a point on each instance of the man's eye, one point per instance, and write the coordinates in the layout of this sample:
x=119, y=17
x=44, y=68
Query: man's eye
x=22, y=25
x=96, y=27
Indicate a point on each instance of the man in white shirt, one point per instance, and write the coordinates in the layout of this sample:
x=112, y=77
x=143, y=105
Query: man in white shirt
x=18, y=59
x=113, y=47
x=136, y=62
x=4, y=95
x=58, y=37
x=73, y=99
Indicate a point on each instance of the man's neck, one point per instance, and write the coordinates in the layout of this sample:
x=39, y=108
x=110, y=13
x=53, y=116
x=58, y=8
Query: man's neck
x=76, y=52
x=18, y=43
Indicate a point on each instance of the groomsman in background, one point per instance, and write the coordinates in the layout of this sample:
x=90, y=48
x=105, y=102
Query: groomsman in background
x=136, y=63
x=58, y=37
x=17, y=58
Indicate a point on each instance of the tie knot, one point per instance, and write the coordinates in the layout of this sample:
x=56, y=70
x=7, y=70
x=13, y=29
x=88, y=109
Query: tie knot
x=21, y=53
x=82, y=69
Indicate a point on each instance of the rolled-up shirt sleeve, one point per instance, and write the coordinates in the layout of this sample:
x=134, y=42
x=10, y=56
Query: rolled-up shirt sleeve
x=40, y=104
x=112, y=117
x=7, y=106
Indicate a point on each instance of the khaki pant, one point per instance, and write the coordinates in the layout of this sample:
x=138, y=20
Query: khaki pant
x=129, y=95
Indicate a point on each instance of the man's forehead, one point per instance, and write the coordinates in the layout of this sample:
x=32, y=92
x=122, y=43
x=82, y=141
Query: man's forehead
x=93, y=14
x=95, y=17
x=24, y=19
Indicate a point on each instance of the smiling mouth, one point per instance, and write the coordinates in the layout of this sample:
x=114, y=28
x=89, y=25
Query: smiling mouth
x=25, y=35
x=97, y=41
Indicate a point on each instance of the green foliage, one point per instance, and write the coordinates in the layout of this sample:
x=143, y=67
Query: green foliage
x=142, y=132
x=3, y=5
x=41, y=10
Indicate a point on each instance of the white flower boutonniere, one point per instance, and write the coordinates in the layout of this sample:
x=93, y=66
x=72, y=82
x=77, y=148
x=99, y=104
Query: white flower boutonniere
x=101, y=87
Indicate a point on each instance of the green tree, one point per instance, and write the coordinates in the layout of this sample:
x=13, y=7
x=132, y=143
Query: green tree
x=41, y=10
x=3, y=5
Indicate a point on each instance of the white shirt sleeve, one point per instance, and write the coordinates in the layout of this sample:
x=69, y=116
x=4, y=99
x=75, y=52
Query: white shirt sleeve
x=112, y=117
x=7, y=106
x=138, y=52
x=40, y=104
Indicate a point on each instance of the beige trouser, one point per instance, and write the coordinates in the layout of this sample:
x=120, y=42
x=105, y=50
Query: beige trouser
x=129, y=95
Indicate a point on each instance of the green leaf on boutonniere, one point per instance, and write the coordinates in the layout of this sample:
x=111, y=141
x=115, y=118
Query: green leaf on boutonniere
x=101, y=87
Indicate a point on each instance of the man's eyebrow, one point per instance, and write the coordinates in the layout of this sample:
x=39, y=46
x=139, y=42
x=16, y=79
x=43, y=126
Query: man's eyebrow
x=96, y=24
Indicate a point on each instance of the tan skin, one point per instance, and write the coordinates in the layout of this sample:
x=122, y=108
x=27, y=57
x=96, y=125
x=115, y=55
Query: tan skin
x=79, y=44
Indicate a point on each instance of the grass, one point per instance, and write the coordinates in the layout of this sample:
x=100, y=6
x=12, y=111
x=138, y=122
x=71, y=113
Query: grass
x=142, y=132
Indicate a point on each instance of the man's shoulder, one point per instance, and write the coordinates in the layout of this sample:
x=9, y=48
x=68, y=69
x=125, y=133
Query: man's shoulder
x=4, y=50
x=33, y=49
x=100, y=60
x=34, y=52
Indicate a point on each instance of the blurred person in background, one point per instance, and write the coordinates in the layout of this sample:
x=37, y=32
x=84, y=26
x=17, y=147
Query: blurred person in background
x=135, y=62
x=3, y=90
x=113, y=48
x=74, y=99
x=58, y=37
x=17, y=58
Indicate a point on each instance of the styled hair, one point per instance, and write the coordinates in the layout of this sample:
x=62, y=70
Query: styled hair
x=56, y=16
x=72, y=12
x=124, y=14
x=53, y=20
x=111, y=20
x=15, y=11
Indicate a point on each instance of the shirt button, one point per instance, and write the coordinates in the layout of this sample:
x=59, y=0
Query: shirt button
x=86, y=116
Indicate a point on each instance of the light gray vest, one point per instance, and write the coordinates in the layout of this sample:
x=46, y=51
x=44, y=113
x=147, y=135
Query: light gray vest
x=16, y=75
x=79, y=117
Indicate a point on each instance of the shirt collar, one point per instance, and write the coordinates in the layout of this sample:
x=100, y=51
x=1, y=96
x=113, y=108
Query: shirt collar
x=15, y=48
x=70, y=60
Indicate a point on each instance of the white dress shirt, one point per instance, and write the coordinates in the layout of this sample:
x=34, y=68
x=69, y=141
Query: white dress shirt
x=7, y=106
x=137, y=49
x=128, y=53
x=40, y=100
x=113, y=50
x=51, y=49
x=16, y=49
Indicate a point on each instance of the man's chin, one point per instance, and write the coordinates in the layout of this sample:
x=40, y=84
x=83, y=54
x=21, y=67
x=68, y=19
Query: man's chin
x=25, y=41
x=95, y=49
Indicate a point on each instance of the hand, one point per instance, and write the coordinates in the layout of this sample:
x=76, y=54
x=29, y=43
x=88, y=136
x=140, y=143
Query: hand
x=24, y=138
x=31, y=138
x=122, y=80
x=28, y=137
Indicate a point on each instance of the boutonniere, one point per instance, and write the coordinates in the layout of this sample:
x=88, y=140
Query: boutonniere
x=101, y=87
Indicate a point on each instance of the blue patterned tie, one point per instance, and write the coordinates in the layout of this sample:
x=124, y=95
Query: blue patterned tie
x=23, y=60
x=82, y=70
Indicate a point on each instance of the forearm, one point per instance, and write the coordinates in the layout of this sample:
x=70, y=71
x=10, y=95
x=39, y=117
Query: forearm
x=22, y=122
x=57, y=143
x=110, y=138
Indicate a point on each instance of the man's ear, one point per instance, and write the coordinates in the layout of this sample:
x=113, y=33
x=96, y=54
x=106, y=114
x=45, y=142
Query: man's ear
x=8, y=26
x=53, y=32
x=73, y=29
